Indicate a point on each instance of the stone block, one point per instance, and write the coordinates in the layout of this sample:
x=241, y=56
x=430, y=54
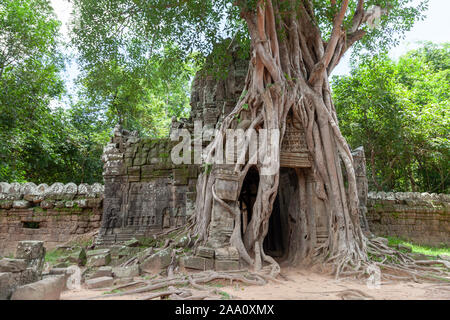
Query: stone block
x=205, y=252
x=197, y=263
x=99, y=260
x=5, y=285
x=102, y=272
x=157, y=261
x=13, y=265
x=226, y=265
x=227, y=189
x=97, y=252
x=227, y=253
x=47, y=289
x=126, y=272
x=101, y=282
x=21, y=204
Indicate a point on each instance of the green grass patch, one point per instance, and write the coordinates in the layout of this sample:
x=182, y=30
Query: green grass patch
x=224, y=296
x=113, y=291
x=53, y=256
x=427, y=250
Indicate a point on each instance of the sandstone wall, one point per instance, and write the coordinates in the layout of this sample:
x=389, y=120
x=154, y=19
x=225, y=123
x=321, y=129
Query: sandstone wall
x=54, y=214
x=144, y=191
x=420, y=218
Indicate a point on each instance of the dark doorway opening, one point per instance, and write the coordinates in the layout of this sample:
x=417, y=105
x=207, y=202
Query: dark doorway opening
x=248, y=195
x=276, y=243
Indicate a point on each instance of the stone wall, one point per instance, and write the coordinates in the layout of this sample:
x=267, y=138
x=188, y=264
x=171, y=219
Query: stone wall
x=144, y=191
x=420, y=218
x=54, y=214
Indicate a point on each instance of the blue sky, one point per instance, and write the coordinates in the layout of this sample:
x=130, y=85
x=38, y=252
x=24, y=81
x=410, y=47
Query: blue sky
x=435, y=28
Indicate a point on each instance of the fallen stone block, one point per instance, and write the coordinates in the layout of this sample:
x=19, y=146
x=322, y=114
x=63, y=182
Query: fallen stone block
x=205, y=252
x=156, y=262
x=101, y=282
x=5, y=285
x=13, y=265
x=227, y=253
x=47, y=289
x=33, y=252
x=99, y=260
x=102, y=272
x=126, y=272
x=226, y=265
x=197, y=263
x=97, y=252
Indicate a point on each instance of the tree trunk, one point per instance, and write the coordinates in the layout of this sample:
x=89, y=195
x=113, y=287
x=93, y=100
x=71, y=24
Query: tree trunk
x=289, y=69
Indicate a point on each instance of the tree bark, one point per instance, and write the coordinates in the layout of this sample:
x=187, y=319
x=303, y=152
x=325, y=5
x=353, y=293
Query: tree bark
x=288, y=72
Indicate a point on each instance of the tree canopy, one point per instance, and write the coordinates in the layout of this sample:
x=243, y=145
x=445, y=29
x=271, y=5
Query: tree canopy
x=400, y=112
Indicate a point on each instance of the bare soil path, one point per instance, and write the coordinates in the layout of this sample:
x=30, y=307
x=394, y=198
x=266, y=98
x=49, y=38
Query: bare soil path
x=307, y=285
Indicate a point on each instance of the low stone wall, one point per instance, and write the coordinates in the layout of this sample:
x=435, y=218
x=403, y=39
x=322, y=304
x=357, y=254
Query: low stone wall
x=54, y=214
x=421, y=218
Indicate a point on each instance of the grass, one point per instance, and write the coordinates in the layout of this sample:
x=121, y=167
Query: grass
x=427, y=250
x=224, y=295
x=53, y=256
x=113, y=291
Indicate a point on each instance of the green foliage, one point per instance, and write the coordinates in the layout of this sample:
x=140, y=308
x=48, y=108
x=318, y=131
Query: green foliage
x=399, y=111
x=427, y=250
x=139, y=95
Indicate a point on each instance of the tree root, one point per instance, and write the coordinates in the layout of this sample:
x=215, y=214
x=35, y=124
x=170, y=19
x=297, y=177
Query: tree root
x=182, y=280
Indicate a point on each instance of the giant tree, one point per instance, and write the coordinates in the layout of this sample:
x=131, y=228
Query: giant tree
x=295, y=45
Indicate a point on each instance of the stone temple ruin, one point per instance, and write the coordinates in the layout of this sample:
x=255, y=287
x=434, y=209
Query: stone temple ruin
x=146, y=193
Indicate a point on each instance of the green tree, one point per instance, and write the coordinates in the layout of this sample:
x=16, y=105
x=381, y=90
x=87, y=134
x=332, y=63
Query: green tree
x=30, y=62
x=400, y=111
x=295, y=45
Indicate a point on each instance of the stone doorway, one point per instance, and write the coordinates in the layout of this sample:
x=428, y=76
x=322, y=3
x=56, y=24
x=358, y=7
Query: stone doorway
x=276, y=243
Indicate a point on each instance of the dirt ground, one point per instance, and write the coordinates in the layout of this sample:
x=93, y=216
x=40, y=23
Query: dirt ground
x=305, y=285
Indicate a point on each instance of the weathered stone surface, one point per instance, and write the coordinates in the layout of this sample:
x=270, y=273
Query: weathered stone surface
x=53, y=214
x=5, y=285
x=47, y=289
x=97, y=252
x=13, y=265
x=33, y=252
x=21, y=204
x=157, y=261
x=101, y=282
x=99, y=260
x=197, y=263
x=227, y=253
x=419, y=218
x=105, y=271
x=205, y=252
x=126, y=272
x=226, y=265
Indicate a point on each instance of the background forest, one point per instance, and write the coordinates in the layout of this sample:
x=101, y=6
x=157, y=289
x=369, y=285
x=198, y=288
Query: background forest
x=399, y=110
